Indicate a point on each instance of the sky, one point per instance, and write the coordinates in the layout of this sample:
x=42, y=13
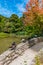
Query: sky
x=9, y=7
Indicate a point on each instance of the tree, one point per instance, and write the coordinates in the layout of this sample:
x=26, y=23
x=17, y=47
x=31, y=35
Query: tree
x=33, y=7
x=34, y=16
x=12, y=24
x=2, y=22
x=17, y=23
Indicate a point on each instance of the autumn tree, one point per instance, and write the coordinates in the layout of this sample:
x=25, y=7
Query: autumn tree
x=33, y=8
x=34, y=16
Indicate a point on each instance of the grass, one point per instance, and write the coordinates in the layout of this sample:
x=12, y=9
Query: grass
x=6, y=42
x=3, y=35
x=7, y=39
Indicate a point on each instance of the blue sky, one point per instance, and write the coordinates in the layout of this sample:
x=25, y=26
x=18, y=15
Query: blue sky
x=8, y=7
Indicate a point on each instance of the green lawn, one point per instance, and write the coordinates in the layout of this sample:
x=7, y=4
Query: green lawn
x=7, y=39
x=6, y=42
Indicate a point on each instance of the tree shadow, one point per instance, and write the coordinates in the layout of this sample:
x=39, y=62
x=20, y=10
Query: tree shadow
x=37, y=47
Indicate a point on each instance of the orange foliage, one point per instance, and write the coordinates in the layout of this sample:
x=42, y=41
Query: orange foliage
x=33, y=6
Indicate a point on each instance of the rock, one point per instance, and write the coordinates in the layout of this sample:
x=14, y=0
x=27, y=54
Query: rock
x=23, y=40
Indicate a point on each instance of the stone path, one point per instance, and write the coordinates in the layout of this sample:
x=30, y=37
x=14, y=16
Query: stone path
x=8, y=56
x=27, y=58
x=22, y=55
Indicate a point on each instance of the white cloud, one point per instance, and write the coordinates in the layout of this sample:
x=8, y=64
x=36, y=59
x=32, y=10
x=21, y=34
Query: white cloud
x=26, y=1
x=20, y=7
x=5, y=11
